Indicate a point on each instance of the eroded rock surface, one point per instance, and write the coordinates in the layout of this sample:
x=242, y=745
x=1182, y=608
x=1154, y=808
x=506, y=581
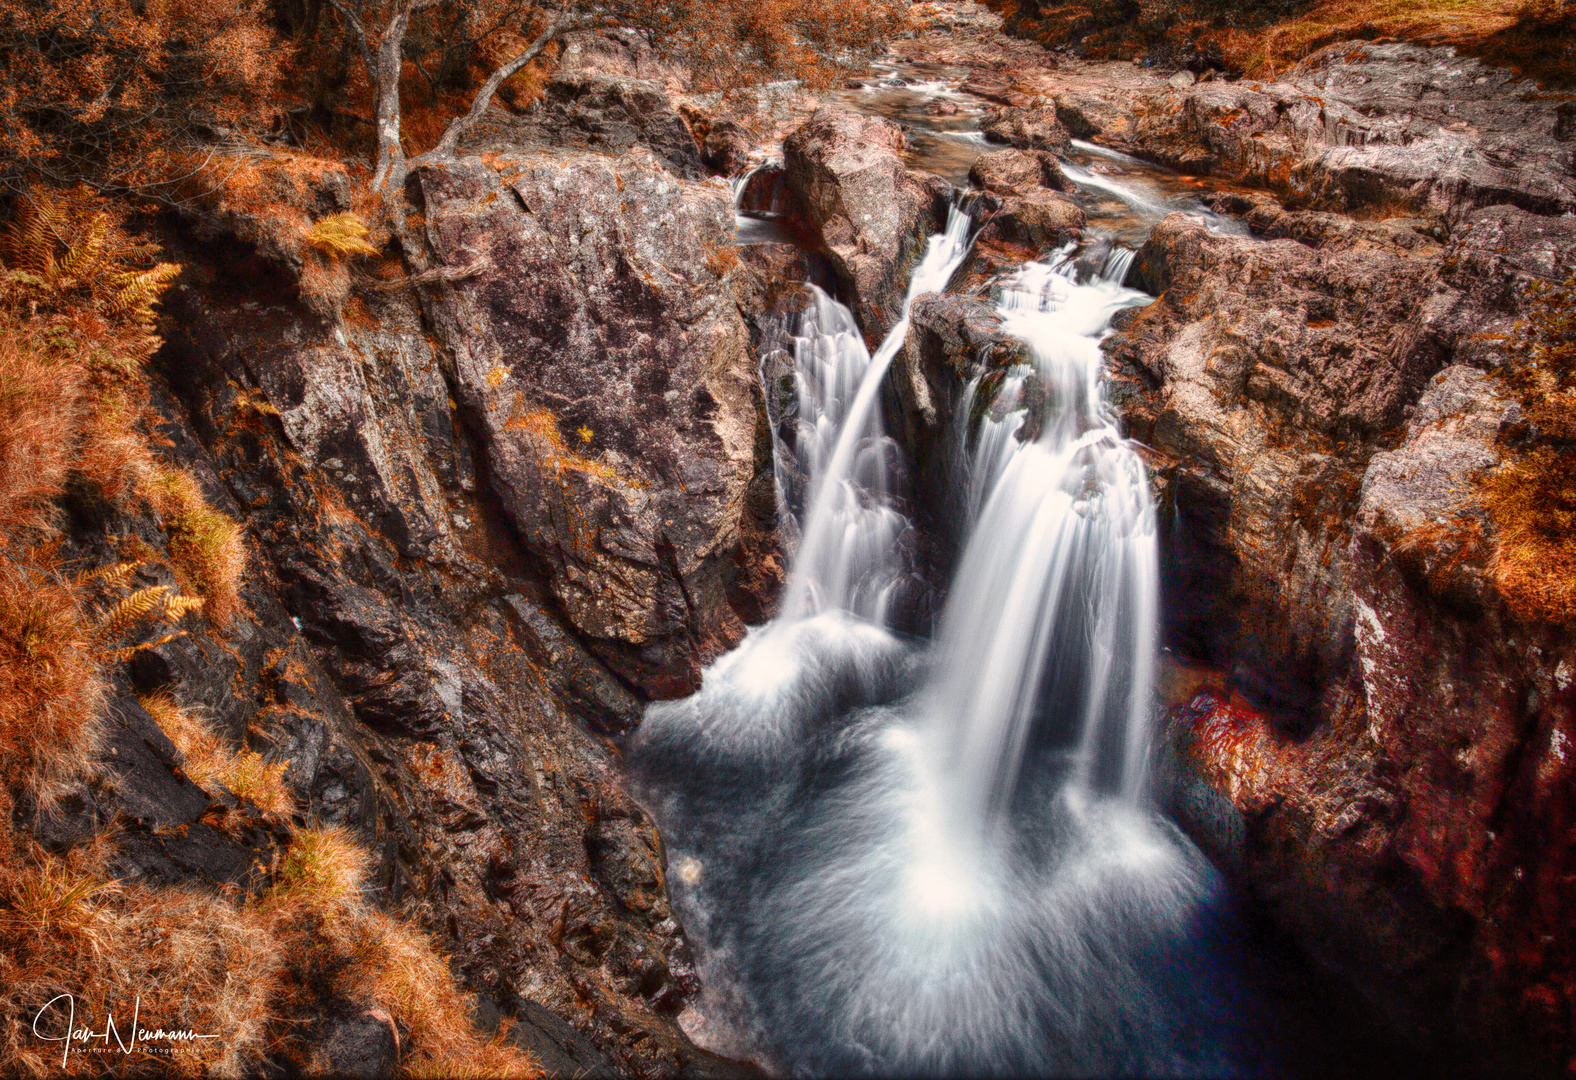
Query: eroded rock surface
x=1355, y=126
x=610, y=372
x=1321, y=412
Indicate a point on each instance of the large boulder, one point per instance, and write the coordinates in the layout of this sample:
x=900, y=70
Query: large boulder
x=845, y=174
x=1040, y=220
x=1017, y=172
x=1026, y=129
x=602, y=357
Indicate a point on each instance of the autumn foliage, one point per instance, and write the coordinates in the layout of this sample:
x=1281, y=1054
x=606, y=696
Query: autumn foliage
x=1531, y=495
x=127, y=95
x=1264, y=38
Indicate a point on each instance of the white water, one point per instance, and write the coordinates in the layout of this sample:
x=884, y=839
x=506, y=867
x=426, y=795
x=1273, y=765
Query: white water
x=847, y=550
x=904, y=858
x=1059, y=579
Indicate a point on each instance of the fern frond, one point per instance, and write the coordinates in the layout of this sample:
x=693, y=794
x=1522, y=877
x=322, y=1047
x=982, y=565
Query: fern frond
x=114, y=576
x=28, y=241
x=137, y=290
x=131, y=610
x=340, y=235
x=175, y=607
x=87, y=256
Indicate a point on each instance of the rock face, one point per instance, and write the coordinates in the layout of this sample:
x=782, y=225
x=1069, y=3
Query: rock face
x=403, y=647
x=1277, y=366
x=609, y=371
x=1357, y=125
x=613, y=112
x=1397, y=762
x=846, y=177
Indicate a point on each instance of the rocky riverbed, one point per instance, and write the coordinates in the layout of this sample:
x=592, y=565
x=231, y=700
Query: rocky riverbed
x=491, y=522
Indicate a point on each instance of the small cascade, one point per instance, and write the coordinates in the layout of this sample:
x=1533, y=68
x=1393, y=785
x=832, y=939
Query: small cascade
x=847, y=558
x=760, y=205
x=996, y=428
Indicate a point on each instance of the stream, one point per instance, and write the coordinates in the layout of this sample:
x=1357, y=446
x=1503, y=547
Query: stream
x=940, y=854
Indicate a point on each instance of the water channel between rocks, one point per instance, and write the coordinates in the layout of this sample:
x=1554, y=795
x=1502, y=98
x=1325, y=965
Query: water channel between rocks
x=940, y=854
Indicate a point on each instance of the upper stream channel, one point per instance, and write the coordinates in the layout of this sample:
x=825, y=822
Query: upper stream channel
x=940, y=852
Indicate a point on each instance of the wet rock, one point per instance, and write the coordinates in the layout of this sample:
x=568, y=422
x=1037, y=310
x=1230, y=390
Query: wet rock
x=164, y=819
x=150, y=787
x=845, y=174
x=612, y=113
x=724, y=143
x=726, y=147
x=609, y=373
x=951, y=340
x=1041, y=220
x=996, y=86
x=560, y=1049
x=1014, y=172
x=1027, y=129
x=625, y=855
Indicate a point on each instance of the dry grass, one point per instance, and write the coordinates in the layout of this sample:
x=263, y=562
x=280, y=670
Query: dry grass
x=384, y=962
x=1532, y=499
x=179, y=959
x=1531, y=496
x=51, y=692
x=41, y=405
x=210, y=764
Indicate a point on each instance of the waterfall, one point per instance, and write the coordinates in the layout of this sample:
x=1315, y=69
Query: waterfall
x=1050, y=618
x=847, y=557
x=903, y=857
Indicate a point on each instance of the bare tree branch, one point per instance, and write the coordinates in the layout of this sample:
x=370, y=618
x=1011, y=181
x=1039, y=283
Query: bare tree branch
x=361, y=36
x=460, y=125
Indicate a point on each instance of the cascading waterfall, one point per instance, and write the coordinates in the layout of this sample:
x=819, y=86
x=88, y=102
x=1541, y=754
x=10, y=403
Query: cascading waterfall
x=1065, y=541
x=847, y=550
x=900, y=857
